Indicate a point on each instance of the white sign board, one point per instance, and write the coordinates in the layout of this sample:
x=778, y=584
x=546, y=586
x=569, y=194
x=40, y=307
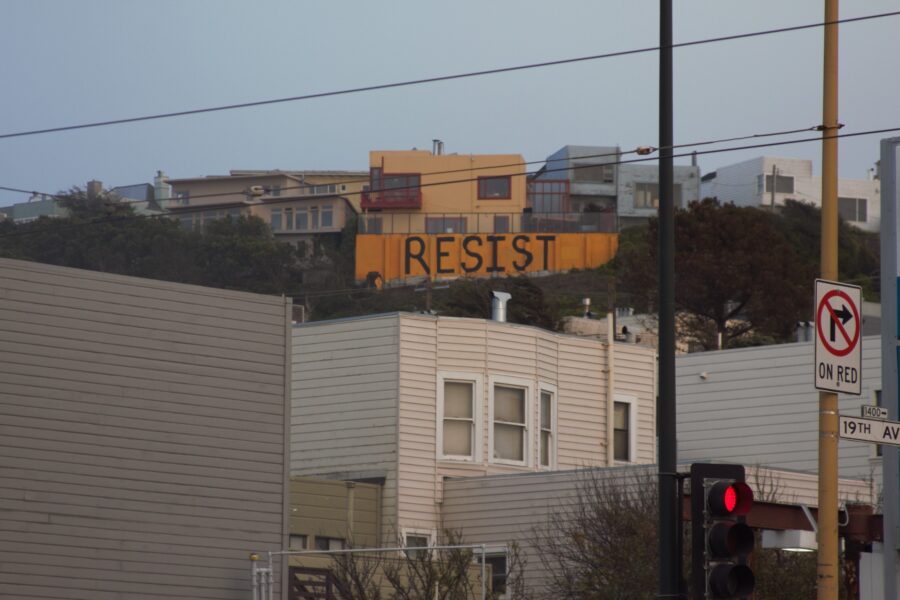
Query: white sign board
x=869, y=430
x=838, y=362
x=873, y=412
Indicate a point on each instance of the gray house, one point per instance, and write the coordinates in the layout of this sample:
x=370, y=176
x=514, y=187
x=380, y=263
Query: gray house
x=142, y=436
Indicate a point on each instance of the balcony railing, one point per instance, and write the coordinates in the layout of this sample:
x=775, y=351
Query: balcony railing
x=465, y=223
x=399, y=198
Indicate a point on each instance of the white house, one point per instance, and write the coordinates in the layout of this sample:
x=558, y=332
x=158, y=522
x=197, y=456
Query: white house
x=768, y=181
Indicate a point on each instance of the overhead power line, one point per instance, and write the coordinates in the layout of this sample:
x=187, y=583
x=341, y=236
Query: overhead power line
x=202, y=208
x=439, y=78
x=639, y=150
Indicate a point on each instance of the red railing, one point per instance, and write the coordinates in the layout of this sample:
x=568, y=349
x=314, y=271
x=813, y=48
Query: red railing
x=401, y=198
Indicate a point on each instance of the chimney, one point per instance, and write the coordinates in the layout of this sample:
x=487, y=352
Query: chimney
x=437, y=147
x=162, y=191
x=94, y=189
x=498, y=306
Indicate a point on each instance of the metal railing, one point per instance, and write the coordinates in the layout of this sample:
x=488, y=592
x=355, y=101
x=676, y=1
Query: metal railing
x=474, y=223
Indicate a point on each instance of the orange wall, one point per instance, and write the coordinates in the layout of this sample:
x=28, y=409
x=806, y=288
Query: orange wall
x=458, y=191
x=401, y=257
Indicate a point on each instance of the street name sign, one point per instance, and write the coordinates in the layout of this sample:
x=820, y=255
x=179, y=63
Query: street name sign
x=873, y=412
x=838, y=356
x=869, y=430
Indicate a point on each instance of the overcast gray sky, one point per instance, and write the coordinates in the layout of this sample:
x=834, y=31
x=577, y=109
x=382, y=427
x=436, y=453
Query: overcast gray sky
x=67, y=62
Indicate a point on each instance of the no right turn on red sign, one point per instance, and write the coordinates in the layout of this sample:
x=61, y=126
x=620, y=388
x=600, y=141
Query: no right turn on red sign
x=838, y=358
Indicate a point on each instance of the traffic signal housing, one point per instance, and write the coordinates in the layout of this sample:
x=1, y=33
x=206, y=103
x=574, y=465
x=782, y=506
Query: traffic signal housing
x=721, y=540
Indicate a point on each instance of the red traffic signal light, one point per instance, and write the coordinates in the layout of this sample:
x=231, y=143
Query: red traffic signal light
x=729, y=499
x=722, y=541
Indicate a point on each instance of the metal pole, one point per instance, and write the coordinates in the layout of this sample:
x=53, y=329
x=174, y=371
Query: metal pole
x=483, y=584
x=668, y=547
x=828, y=582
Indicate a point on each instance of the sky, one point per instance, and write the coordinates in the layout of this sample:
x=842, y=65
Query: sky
x=71, y=62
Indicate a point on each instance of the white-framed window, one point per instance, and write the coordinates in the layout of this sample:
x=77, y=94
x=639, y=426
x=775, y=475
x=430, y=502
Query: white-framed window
x=546, y=425
x=624, y=431
x=416, y=540
x=276, y=219
x=497, y=558
x=288, y=218
x=183, y=198
x=510, y=414
x=459, y=416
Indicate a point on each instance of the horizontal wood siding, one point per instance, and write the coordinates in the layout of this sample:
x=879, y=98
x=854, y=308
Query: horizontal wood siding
x=142, y=436
x=319, y=507
x=344, y=402
x=575, y=367
x=418, y=479
x=635, y=376
x=759, y=406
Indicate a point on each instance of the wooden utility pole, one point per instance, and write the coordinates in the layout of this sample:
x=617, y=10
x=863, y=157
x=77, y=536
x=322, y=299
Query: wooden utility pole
x=827, y=574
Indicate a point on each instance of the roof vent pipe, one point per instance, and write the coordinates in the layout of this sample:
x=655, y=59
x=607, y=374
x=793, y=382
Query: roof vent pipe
x=498, y=306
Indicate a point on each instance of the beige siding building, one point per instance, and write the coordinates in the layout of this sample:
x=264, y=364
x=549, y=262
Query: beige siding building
x=415, y=399
x=142, y=436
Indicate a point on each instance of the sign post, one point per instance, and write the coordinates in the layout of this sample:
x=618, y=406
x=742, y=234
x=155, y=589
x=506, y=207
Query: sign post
x=838, y=358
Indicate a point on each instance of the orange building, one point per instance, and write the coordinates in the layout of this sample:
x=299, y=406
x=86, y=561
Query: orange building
x=430, y=215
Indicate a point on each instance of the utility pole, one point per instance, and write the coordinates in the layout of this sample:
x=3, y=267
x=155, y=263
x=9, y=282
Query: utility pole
x=774, y=179
x=669, y=505
x=827, y=574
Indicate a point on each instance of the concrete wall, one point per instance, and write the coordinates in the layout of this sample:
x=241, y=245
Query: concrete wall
x=142, y=436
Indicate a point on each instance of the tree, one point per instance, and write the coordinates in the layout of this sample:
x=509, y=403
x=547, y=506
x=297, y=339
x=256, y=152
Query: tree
x=602, y=545
x=736, y=274
x=102, y=233
x=439, y=574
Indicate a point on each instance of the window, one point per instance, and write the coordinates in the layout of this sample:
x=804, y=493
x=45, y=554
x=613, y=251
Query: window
x=509, y=420
x=501, y=223
x=494, y=188
x=328, y=543
x=324, y=189
x=646, y=195
x=548, y=427
x=784, y=184
x=624, y=448
x=853, y=209
x=275, y=190
x=276, y=219
x=302, y=219
x=371, y=224
x=289, y=218
x=593, y=173
x=498, y=564
x=416, y=541
x=445, y=224
x=298, y=542
x=314, y=217
x=327, y=216
x=459, y=419
x=459, y=423
x=184, y=198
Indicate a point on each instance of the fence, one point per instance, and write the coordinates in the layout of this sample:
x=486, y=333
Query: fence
x=442, y=223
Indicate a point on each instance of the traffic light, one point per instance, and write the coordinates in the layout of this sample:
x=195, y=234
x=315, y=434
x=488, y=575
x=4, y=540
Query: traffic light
x=721, y=540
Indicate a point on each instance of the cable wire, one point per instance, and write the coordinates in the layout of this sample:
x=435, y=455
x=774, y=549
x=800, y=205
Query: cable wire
x=641, y=150
x=202, y=208
x=427, y=80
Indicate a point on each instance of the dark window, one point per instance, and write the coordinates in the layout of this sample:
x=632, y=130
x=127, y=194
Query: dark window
x=276, y=190
x=853, y=209
x=418, y=542
x=501, y=223
x=593, y=173
x=784, y=184
x=621, y=433
x=328, y=543
x=494, y=188
x=445, y=224
x=498, y=572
